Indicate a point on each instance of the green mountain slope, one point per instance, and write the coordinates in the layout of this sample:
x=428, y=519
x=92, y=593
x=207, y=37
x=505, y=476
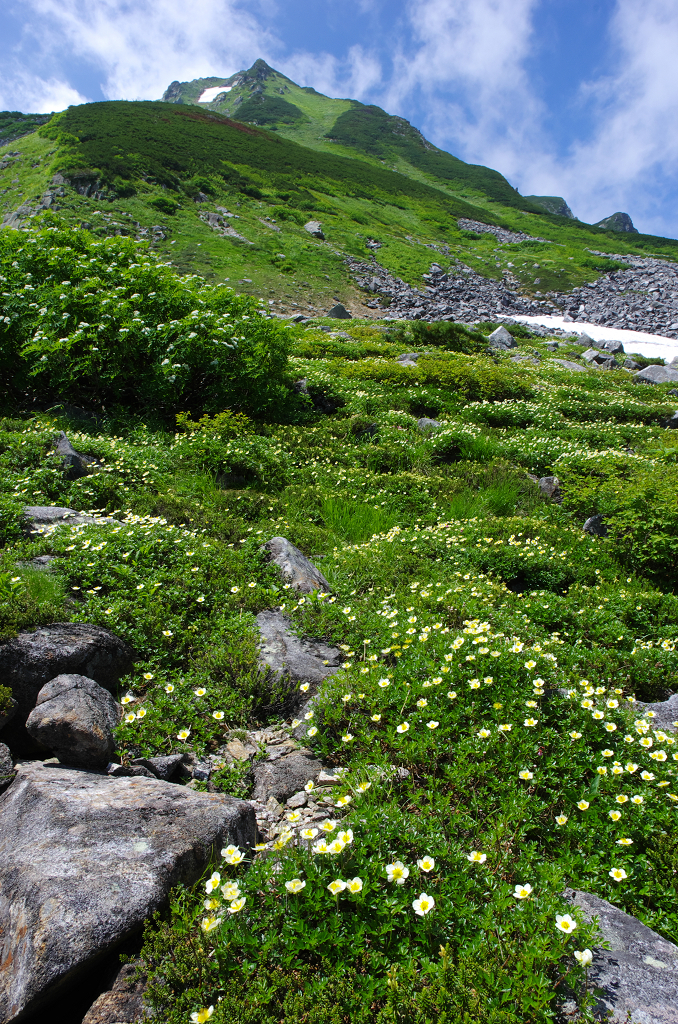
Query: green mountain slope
x=229, y=200
x=263, y=96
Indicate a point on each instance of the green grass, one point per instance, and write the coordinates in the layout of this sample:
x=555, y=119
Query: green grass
x=461, y=599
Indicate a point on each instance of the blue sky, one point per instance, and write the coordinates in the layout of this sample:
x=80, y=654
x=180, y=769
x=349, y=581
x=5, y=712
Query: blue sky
x=565, y=97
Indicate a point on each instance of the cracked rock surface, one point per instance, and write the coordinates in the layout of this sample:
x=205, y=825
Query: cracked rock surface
x=85, y=858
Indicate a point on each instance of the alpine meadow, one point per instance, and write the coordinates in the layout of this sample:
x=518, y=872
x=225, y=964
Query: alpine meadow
x=339, y=599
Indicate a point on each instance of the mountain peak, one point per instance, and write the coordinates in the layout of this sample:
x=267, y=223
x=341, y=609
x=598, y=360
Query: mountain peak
x=617, y=222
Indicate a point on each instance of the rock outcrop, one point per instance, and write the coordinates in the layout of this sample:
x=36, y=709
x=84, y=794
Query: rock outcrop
x=299, y=660
x=636, y=979
x=30, y=660
x=85, y=858
x=657, y=375
x=74, y=719
x=285, y=776
x=295, y=566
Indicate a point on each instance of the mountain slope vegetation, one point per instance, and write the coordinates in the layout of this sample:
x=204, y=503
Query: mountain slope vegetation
x=482, y=760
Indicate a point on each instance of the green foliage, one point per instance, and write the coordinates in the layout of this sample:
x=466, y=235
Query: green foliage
x=164, y=204
x=14, y=124
x=450, y=336
x=269, y=110
x=372, y=130
x=5, y=699
x=112, y=326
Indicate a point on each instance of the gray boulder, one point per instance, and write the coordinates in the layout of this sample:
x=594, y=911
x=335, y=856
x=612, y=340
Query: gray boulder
x=74, y=718
x=292, y=659
x=46, y=518
x=74, y=463
x=612, y=346
x=123, y=1002
x=657, y=375
x=569, y=365
x=665, y=713
x=425, y=424
x=31, y=659
x=285, y=776
x=636, y=979
x=85, y=859
x=631, y=364
x=164, y=767
x=671, y=423
x=314, y=227
x=593, y=355
x=339, y=312
x=6, y=767
x=408, y=358
x=502, y=339
x=595, y=526
x=550, y=488
x=295, y=566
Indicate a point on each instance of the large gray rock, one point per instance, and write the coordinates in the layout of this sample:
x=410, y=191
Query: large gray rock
x=569, y=365
x=31, y=659
x=636, y=979
x=295, y=566
x=74, y=718
x=595, y=525
x=85, y=859
x=6, y=767
x=315, y=228
x=339, y=312
x=408, y=358
x=285, y=776
x=75, y=463
x=424, y=424
x=123, y=1003
x=286, y=655
x=44, y=518
x=657, y=375
x=550, y=488
x=502, y=339
x=665, y=713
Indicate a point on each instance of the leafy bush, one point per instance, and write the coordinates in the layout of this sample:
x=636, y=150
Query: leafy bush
x=450, y=336
x=105, y=324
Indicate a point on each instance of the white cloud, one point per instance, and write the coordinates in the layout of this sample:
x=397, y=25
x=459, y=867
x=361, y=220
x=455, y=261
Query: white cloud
x=355, y=76
x=466, y=59
x=139, y=47
x=630, y=161
x=21, y=90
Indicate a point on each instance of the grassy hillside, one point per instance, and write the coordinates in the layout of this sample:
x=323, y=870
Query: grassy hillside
x=483, y=724
x=229, y=200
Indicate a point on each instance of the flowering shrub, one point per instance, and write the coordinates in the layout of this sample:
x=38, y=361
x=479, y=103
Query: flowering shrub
x=105, y=323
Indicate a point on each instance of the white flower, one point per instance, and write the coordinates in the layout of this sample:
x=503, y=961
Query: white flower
x=522, y=891
x=426, y=864
x=476, y=858
x=354, y=885
x=565, y=923
x=397, y=872
x=336, y=886
x=403, y=727
x=584, y=956
x=423, y=905
x=295, y=885
x=432, y=725
x=618, y=874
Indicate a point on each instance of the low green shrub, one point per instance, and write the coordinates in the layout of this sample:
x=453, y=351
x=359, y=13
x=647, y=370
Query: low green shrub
x=105, y=324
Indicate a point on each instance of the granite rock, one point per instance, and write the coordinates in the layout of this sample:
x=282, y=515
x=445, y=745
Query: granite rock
x=636, y=979
x=31, y=659
x=74, y=719
x=656, y=375
x=294, y=566
x=6, y=767
x=285, y=776
x=85, y=859
x=295, y=659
